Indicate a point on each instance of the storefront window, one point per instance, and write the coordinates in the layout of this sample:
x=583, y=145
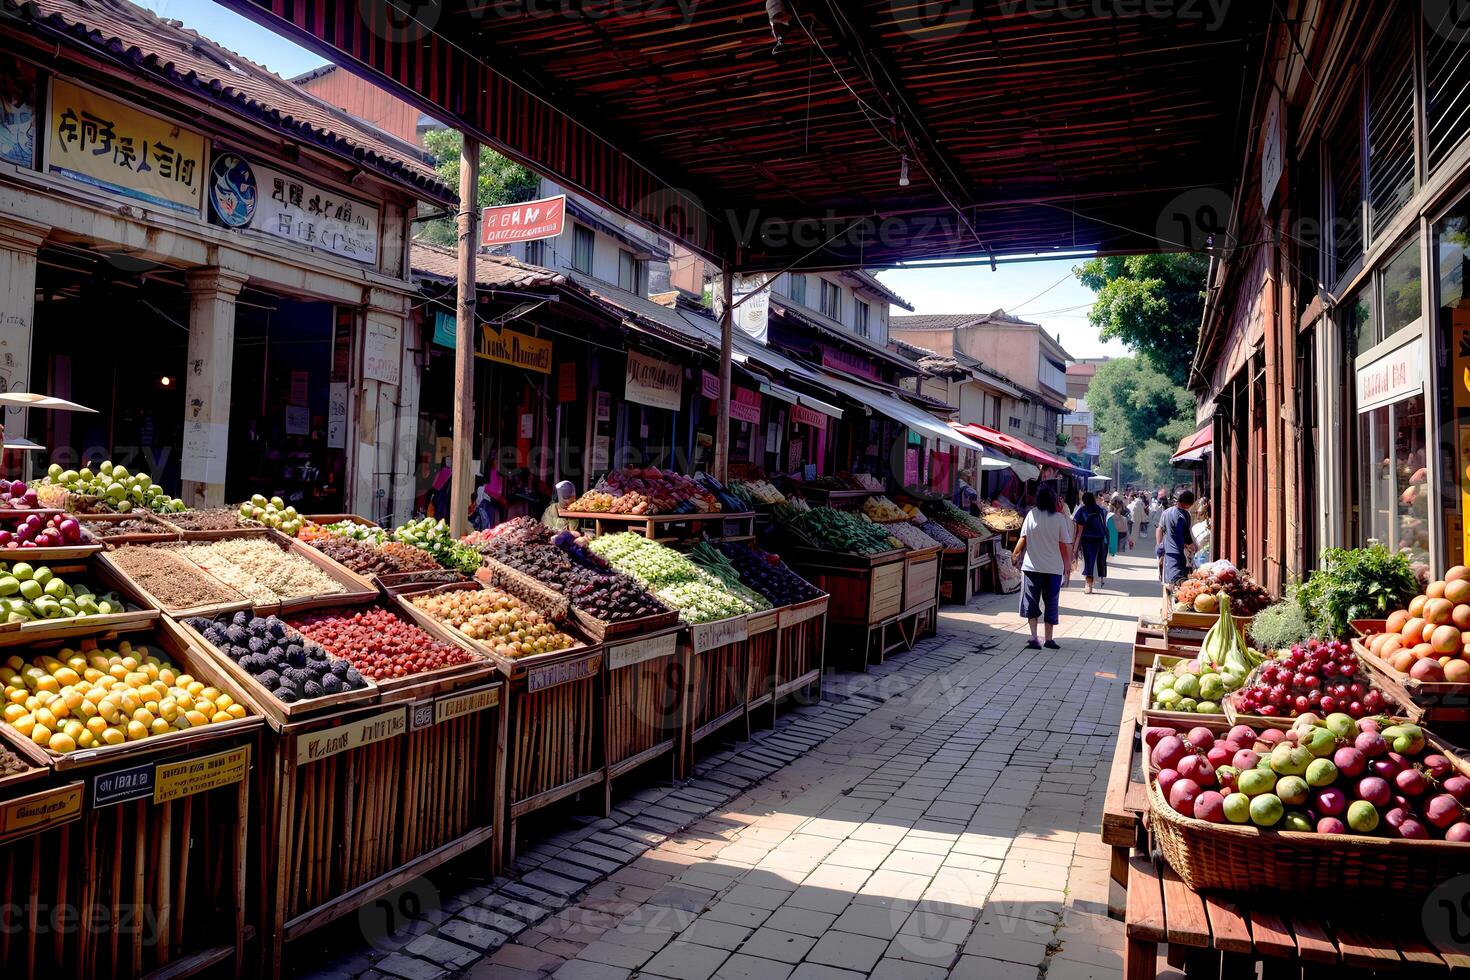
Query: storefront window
x=1395, y=499
x=1401, y=291
x=1452, y=355
x=1358, y=320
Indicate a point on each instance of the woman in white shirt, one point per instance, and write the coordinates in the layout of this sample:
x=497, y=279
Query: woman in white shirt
x=1201, y=533
x=1046, y=543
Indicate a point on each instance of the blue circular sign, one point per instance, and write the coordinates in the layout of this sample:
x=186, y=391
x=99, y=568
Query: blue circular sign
x=232, y=190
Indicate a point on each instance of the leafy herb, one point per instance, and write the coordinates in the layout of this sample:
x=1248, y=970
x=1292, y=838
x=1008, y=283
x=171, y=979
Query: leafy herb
x=1356, y=583
x=1280, y=626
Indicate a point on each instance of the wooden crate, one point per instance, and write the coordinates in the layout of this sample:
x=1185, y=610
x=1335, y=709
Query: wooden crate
x=151, y=856
x=763, y=640
x=920, y=579
x=163, y=532
x=718, y=688
x=668, y=527
x=801, y=650
x=363, y=801
x=554, y=745
x=1443, y=703
x=645, y=699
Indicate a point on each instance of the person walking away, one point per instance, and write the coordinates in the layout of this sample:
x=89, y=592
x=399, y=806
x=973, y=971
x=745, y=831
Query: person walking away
x=1118, y=528
x=1176, y=543
x=1043, y=554
x=1092, y=534
x=1138, y=517
x=1201, y=533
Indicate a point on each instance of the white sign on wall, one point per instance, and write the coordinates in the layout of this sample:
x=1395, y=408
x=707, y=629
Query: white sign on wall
x=381, y=351
x=652, y=382
x=290, y=208
x=337, y=415
x=1394, y=376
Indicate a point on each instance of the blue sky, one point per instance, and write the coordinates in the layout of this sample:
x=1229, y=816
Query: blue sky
x=1045, y=292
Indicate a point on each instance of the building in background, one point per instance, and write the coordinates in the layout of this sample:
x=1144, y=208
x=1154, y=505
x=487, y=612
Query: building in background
x=1084, y=444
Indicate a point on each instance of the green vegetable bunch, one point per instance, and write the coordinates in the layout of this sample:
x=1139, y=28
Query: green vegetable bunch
x=1355, y=583
x=1280, y=626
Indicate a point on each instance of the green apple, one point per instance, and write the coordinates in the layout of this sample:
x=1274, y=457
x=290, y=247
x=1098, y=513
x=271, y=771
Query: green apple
x=22, y=570
x=1188, y=704
x=1238, y=808
x=1341, y=725
x=1320, y=742
x=31, y=589
x=42, y=574
x=1266, y=810
x=1297, y=822
x=1362, y=817
x=1207, y=708
x=1255, y=782
x=1321, y=772
x=1290, y=760
x=1293, y=790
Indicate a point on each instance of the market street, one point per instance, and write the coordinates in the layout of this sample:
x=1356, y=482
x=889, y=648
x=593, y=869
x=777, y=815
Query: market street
x=927, y=833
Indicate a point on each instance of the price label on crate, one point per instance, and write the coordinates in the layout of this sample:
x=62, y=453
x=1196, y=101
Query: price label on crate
x=554, y=675
x=708, y=636
x=315, y=746
x=111, y=788
x=176, y=780
x=648, y=648
x=800, y=614
x=459, y=705
x=40, y=811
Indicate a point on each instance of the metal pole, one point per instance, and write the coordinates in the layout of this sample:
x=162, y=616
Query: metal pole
x=722, y=417
x=462, y=489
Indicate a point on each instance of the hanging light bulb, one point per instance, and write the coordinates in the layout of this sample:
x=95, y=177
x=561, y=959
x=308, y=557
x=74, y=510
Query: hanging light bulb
x=903, y=171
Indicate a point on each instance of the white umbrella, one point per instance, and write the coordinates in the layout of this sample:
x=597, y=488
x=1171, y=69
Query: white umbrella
x=31, y=399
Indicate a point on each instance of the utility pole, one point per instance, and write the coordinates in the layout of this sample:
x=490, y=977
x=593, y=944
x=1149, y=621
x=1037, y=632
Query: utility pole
x=722, y=417
x=462, y=489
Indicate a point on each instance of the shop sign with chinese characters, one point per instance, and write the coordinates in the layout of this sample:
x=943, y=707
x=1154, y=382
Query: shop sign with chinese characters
x=291, y=208
x=121, y=150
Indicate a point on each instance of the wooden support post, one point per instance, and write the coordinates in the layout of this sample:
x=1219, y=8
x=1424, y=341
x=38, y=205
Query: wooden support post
x=462, y=490
x=722, y=416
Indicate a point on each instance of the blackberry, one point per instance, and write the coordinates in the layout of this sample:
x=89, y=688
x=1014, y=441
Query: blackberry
x=331, y=683
x=269, y=678
x=241, y=618
x=313, y=690
x=286, y=694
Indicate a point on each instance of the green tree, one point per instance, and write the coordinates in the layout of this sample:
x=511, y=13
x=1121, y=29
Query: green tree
x=1153, y=303
x=1140, y=410
x=502, y=181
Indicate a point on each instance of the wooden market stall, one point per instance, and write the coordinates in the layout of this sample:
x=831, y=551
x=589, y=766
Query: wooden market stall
x=669, y=527
x=865, y=599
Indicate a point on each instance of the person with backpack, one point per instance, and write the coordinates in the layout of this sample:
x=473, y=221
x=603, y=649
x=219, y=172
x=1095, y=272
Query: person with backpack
x=1092, y=534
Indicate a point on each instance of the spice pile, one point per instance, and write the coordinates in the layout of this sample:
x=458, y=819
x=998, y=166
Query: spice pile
x=379, y=644
x=175, y=581
x=213, y=519
x=499, y=620
x=133, y=525
x=261, y=570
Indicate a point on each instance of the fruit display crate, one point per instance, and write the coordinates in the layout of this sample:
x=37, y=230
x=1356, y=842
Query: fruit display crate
x=668, y=527
x=1231, y=858
x=645, y=699
x=360, y=802
x=1157, y=716
x=96, y=573
x=172, y=644
x=1151, y=640
x=828, y=497
x=324, y=519
x=763, y=643
x=801, y=649
x=865, y=601
x=153, y=855
x=718, y=682
x=1442, y=703
x=163, y=531
x=921, y=579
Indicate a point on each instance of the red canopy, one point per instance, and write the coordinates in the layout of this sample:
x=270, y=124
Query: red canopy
x=1012, y=445
x=1194, y=448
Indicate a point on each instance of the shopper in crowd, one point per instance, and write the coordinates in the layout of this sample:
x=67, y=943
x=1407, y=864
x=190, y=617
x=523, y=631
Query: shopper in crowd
x=551, y=517
x=1092, y=536
x=1119, y=527
x=1175, y=540
x=1138, y=518
x=1201, y=533
x=1043, y=554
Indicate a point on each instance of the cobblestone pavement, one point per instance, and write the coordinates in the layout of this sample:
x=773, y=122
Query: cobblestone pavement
x=935, y=817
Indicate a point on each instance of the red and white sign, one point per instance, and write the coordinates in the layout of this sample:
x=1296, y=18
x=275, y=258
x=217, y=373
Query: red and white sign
x=745, y=405
x=1394, y=376
x=529, y=222
x=841, y=360
x=806, y=416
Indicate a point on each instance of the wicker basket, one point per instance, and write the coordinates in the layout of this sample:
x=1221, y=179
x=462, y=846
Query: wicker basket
x=1211, y=857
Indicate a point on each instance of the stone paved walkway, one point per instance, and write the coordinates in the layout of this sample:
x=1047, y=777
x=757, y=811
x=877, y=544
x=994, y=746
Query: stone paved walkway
x=935, y=817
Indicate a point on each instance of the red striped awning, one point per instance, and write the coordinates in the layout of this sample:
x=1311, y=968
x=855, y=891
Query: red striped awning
x=1012, y=445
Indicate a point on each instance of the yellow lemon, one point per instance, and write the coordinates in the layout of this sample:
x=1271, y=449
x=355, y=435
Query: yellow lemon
x=118, y=671
x=184, y=680
x=23, y=724
x=137, y=730
x=41, y=735
x=196, y=718
x=113, y=736
x=143, y=715
x=86, y=740
x=223, y=702
x=185, y=700
x=48, y=683
x=14, y=711
x=166, y=675
x=67, y=676
x=219, y=716
x=129, y=702
x=62, y=742
x=72, y=698
x=96, y=725
x=131, y=663
x=85, y=710
x=159, y=727
x=195, y=688
x=45, y=716
x=205, y=705
x=74, y=728
x=17, y=695
x=236, y=710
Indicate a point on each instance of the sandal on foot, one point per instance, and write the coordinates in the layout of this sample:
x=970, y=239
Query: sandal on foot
x=1051, y=645
x=1033, y=645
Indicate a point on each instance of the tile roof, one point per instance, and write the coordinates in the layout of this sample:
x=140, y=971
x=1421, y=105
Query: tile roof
x=491, y=271
x=951, y=321
x=119, y=31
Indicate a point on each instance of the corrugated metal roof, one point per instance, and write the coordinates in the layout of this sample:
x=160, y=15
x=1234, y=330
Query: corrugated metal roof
x=164, y=49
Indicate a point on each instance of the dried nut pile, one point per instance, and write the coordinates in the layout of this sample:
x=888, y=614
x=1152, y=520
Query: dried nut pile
x=174, y=581
x=10, y=763
x=214, y=519
x=113, y=529
x=359, y=556
x=262, y=570
x=499, y=620
x=407, y=558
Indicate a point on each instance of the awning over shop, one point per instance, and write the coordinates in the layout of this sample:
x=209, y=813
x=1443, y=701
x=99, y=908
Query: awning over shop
x=1014, y=447
x=901, y=411
x=1193, y=449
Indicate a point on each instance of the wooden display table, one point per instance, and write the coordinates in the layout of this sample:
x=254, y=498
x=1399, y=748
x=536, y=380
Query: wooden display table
x=1153, y=638
x=840, y=499
x=865, y=599
x=801, y=650
x=670, y=527
x=645, y=699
